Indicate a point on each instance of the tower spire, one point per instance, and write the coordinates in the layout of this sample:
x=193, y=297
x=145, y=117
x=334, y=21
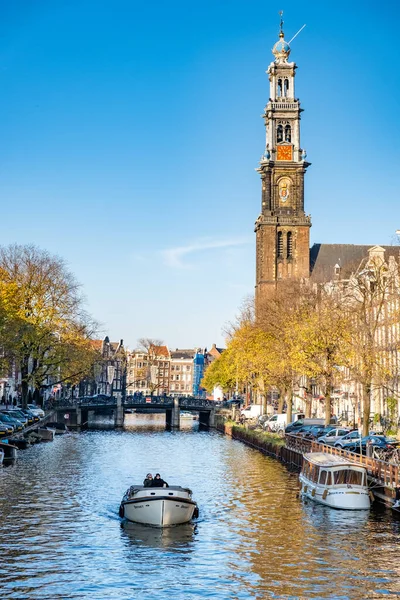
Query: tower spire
x=281, y=34
x=282, y=228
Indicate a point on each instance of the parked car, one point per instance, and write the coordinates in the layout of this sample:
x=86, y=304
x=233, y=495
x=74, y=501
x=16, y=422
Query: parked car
x=304, y=431
x=4, y=429
x=252, y=411
x=316, y=431
x=19, y=415
x=6, y=426
x=278, y=421
x=36, y=410
x=348, y=439
x=333, y=434
x=293, y=427
x=377, y=441
x=29, y=414
x=10, y=422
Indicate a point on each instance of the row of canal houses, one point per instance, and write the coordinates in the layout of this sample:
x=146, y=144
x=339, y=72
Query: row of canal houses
x=121, y=372
x=159, y=370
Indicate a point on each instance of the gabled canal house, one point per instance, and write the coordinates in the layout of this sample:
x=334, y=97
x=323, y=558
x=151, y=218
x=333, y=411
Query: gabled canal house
x=283, y=229
x=109, y=372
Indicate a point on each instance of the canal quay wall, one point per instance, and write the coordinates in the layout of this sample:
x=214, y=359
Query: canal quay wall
x=383, y=477
x=276, y=448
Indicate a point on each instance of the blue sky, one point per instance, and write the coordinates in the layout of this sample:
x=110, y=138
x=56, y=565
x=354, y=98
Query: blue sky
x=130, y=133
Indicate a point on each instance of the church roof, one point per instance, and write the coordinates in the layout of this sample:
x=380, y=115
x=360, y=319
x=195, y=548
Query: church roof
x=325, y=257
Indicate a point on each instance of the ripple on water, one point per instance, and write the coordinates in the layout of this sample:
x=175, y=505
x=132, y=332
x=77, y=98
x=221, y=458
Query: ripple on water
x=61, y=536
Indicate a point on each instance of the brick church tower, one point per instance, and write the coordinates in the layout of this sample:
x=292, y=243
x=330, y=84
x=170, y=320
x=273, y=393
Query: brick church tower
x=283, y=228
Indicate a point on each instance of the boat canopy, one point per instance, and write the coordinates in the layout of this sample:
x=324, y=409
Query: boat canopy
x=323, y=459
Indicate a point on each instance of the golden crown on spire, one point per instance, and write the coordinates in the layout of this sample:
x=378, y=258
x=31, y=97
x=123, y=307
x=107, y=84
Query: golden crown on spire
x=281, y=49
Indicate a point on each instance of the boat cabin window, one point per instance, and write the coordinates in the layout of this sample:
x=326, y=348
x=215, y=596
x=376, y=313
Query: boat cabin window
x=322, y=477
x=313, y=472
x=348, y=476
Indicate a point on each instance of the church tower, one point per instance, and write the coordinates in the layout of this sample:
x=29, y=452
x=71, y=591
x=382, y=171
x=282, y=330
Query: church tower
x=283, y=228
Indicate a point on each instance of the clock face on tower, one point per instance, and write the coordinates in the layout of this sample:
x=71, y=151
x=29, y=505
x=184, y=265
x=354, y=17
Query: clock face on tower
x=284, y=153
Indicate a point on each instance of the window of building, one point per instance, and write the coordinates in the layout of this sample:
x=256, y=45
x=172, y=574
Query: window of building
x=289, y=244
x=279, y=88
x=279, y=133
x=280, y=244
x=288, y=133
x=188, y=368
x=286, y=87
x=177, y=377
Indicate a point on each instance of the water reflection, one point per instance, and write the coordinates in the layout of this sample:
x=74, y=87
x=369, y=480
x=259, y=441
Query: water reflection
x=60, y=535
x=170, y=537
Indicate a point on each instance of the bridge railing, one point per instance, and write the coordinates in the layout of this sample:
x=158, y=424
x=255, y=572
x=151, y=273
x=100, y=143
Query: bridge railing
x=103, y=400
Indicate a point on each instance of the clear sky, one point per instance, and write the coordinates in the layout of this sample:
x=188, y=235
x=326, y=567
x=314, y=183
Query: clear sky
x=130, y=132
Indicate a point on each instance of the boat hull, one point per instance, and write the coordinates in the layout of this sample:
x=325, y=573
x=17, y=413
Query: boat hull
x=345, y=498
x=158, y=507
x=162, y=512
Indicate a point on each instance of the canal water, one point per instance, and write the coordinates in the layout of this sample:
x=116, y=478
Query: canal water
x=61, y=537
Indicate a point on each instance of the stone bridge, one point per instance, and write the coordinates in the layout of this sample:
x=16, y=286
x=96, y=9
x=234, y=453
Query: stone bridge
x=76, y=413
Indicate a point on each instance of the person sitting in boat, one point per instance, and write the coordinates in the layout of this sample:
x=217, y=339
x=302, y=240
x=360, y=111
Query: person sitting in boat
x=148, y=482
x=158, y=482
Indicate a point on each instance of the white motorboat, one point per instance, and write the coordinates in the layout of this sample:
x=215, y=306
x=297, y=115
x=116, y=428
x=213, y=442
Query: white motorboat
x=159, y=507
x=334, y=481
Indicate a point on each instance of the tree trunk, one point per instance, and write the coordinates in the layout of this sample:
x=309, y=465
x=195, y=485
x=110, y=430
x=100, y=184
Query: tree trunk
x=327, y=408
x=367, y=389
x=289, y=401
x=307, y=403
x=328, y=402
x=281, y=401
x=24, y=367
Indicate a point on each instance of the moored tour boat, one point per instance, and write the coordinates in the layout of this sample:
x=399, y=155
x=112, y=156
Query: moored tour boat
x=334, y=481
x=159, y=507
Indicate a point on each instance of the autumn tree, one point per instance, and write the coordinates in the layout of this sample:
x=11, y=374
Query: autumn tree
x=319, y=338
x=46, y=330
x=279, y=315
x=221, y=372
x=372, y=300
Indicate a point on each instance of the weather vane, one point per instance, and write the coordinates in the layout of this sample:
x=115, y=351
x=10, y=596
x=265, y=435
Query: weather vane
x=281, y=15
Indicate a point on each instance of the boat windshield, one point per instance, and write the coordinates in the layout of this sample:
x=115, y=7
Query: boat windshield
x=348, y=476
